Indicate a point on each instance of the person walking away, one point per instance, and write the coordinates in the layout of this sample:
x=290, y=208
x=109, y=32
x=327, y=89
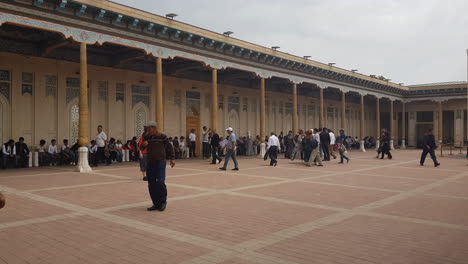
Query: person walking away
x=143, y=154
x=307, y=147
x=325, y=143
x=298, y=145
x=429, y=147
x=331, y=148
x=231, y=148
x=215, y=147
x=273, y=148
x=159, y=150
x=342, y=151
x=289, y=143
x=193, y=144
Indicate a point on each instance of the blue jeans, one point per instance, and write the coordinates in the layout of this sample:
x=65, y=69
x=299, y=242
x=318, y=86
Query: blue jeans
x=230, y=154
x=156, y=173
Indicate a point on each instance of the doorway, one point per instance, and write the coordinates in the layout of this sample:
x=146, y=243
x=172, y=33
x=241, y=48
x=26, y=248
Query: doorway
x=192, y=118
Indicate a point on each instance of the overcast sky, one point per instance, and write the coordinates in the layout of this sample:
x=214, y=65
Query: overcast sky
x=408, y=41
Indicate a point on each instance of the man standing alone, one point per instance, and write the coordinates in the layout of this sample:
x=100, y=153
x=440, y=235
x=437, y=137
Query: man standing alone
x=193, y=143
x=429, y=147
x=101, y=142
x=231, y=148
x=159, y=150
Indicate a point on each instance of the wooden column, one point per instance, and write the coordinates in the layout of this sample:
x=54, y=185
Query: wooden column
x=262, y=109
x=159, y=95
x=83, y=111
x=391, y=120
x=441, y=122
x=321, y=116
x=403, y=126
x=214, y=100
x=361, y=134
x=343, y=111
x=377, y=117
x=295, y=116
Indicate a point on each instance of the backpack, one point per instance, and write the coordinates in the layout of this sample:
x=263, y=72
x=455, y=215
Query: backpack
x=314, y=144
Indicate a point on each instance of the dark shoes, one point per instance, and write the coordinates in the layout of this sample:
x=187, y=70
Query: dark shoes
x=437, y=165
x=153, y=208
x=145, y=178
x=235, y=169
x=420, y=163
x=161, y=208
x=220, y=160
x=213, y=163
x=276, y=163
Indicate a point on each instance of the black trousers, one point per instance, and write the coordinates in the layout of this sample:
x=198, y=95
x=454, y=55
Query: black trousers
x=192, y=149
x=214, y=154
x=101, y=155
x=156, y=173
x=326, y=151
x=206, y=150
x=272, y=152
x=431, y=152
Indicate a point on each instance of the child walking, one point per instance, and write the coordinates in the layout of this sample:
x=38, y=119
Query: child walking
x=342, y=150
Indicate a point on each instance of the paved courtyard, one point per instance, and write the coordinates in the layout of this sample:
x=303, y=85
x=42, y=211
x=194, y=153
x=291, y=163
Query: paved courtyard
x=367, y=211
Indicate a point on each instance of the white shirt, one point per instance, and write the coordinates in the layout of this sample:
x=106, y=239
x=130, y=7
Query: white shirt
x=223, y=143
x=192, y=137
x=316, y=136
x=332, y=138
x=100, y=139
x=93, y=149
x=42, y=148
x=53, y=149
x=8, y=149
x=182, y=143
x=274, y=141
x=205, y=136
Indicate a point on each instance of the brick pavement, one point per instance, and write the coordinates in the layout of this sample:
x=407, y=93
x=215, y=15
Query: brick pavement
x=368, y=211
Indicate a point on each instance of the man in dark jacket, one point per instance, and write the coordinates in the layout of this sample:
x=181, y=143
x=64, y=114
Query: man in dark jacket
x=429, y=147
x=215, y=147
x=325, y=143
x=22, y=152
x=159, y=150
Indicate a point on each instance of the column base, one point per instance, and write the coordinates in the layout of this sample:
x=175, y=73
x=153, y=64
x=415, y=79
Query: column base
x=363, y=149
x=403, y=144
x=377, y=144
x=30, y=160
x=392, y=147
x=36, y=159
x=262, y=150
x=83, y=164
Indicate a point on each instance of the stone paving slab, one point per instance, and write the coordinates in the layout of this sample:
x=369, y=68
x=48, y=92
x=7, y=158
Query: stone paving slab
x=367, y=211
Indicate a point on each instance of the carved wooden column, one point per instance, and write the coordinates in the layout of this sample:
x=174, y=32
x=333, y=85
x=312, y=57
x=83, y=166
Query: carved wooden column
x=363, y=149
x=392, y=125
x=159, y=95
x=262, y=118
x=343, y=111
x=214, y=100
x=83, y=165
x=321, y=116
x=377, y=119
x=403, y=126
x=295, y=116
x=441, y=122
